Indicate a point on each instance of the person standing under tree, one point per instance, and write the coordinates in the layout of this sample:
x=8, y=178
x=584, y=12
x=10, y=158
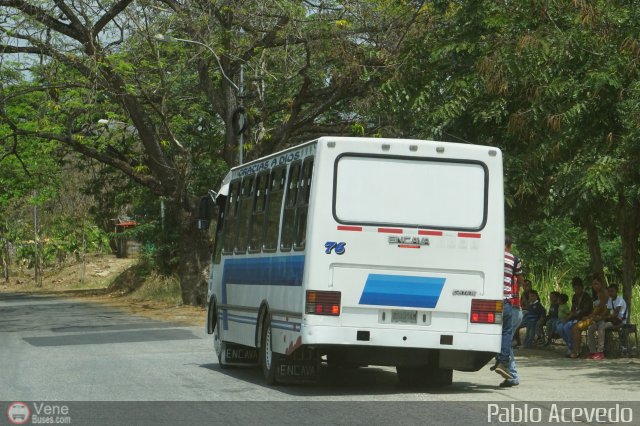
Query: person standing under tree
x=511, y=316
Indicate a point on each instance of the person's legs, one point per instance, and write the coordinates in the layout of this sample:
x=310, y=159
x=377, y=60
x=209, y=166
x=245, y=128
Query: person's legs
x=551, y=328
x=560, y=329
x=567, y=333
x=516, y=330
x=576, y=333
x=516, y=338
x=516, y=319
x=539, y=331
x=507, y=334
x=591, y=337
x=506, y=353
x=602, y=329
x=530, y=324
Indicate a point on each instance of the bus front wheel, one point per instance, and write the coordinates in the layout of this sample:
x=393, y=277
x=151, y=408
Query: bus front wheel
x=424, y=376
x=220, y=347
x=269, y=359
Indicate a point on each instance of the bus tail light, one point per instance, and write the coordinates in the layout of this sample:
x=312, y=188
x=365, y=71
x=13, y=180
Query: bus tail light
x=323, y=302
x=486, y=311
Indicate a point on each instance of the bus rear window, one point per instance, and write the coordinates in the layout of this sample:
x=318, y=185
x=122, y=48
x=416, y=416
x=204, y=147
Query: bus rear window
x=410, y=192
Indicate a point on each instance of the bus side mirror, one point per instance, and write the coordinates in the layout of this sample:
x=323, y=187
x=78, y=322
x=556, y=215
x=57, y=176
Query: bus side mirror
x=205, y=212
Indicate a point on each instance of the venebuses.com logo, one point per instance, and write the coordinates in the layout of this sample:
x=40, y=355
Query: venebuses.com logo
x=18, y=413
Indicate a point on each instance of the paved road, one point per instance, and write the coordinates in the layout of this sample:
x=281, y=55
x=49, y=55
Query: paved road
x=58, y=349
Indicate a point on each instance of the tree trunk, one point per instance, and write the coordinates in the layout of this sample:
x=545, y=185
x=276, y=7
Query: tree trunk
x=629, y=234
x=194, y=258
x=593, y=241
x=4, y=255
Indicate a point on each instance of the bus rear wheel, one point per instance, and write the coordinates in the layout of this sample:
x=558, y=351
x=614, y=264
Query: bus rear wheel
x=424, y=376
x=269, y=359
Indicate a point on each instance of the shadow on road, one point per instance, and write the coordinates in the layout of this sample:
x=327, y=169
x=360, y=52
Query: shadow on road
x=620, y=373
x=348, y=382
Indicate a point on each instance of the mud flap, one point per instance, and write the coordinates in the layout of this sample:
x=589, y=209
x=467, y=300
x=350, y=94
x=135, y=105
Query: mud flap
x=302, y=366
x=234, y=354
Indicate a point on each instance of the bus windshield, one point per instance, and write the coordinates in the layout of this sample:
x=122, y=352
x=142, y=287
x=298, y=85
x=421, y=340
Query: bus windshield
x=410, y=192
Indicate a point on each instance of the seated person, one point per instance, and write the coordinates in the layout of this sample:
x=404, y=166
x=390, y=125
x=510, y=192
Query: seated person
x=600, y=298
x=563, y=312
x=552, y=315
x=615, y=315
x=534, y=316
x=524, y=304
x=581, y=306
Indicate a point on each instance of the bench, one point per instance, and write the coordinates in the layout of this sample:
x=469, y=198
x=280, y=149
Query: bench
x=617, y=343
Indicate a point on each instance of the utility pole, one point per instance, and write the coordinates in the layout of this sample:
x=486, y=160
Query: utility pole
x=242, y=116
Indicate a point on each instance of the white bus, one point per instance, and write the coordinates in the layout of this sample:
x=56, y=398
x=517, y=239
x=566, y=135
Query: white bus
x=360, y=251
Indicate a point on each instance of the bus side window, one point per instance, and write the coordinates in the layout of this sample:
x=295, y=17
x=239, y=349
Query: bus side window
x=231, y=212
x=302, y=209
x=217, y=244
x=288, y=222
x=244, y=214
x=274, y=207
x=256, y=229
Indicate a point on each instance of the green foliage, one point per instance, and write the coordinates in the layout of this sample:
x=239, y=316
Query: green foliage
x=553, y=242
x=555, y=86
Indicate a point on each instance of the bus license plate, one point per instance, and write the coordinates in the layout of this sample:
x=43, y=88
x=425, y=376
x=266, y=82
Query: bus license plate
x=404, y=317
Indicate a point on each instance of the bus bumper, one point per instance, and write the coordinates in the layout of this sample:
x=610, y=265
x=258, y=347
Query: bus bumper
x=380, y=346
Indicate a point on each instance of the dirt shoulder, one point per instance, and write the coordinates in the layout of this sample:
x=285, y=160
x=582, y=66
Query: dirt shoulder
x=100, y=273
x=180, y=314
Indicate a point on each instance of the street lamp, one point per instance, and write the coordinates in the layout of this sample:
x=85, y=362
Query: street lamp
x=170, y=39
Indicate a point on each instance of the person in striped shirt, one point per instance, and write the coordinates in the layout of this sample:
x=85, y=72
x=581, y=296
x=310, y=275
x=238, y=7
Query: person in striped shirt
x=511, y=315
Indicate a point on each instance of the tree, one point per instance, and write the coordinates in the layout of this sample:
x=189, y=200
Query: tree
x=555, y=86
x=306, y=62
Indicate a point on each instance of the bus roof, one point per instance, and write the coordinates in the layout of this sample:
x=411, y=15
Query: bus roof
x=224, y=188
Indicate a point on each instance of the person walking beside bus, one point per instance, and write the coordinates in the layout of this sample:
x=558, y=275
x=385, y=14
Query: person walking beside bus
x=511, y=315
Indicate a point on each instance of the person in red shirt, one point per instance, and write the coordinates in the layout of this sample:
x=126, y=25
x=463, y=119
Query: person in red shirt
x=511, y=315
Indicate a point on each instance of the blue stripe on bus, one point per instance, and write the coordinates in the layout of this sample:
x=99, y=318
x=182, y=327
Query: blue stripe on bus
x=402, y=290
x=275, y=270
x=282, y=325
x=241, y=319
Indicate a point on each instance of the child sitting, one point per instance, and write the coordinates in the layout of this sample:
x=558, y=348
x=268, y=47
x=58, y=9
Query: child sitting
x=532, y=318
x=563, y=313
x=563, y=309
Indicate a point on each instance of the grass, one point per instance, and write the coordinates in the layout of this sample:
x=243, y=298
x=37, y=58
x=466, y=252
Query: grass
x=120, y=277
x=559, y=279
x=158, y=288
